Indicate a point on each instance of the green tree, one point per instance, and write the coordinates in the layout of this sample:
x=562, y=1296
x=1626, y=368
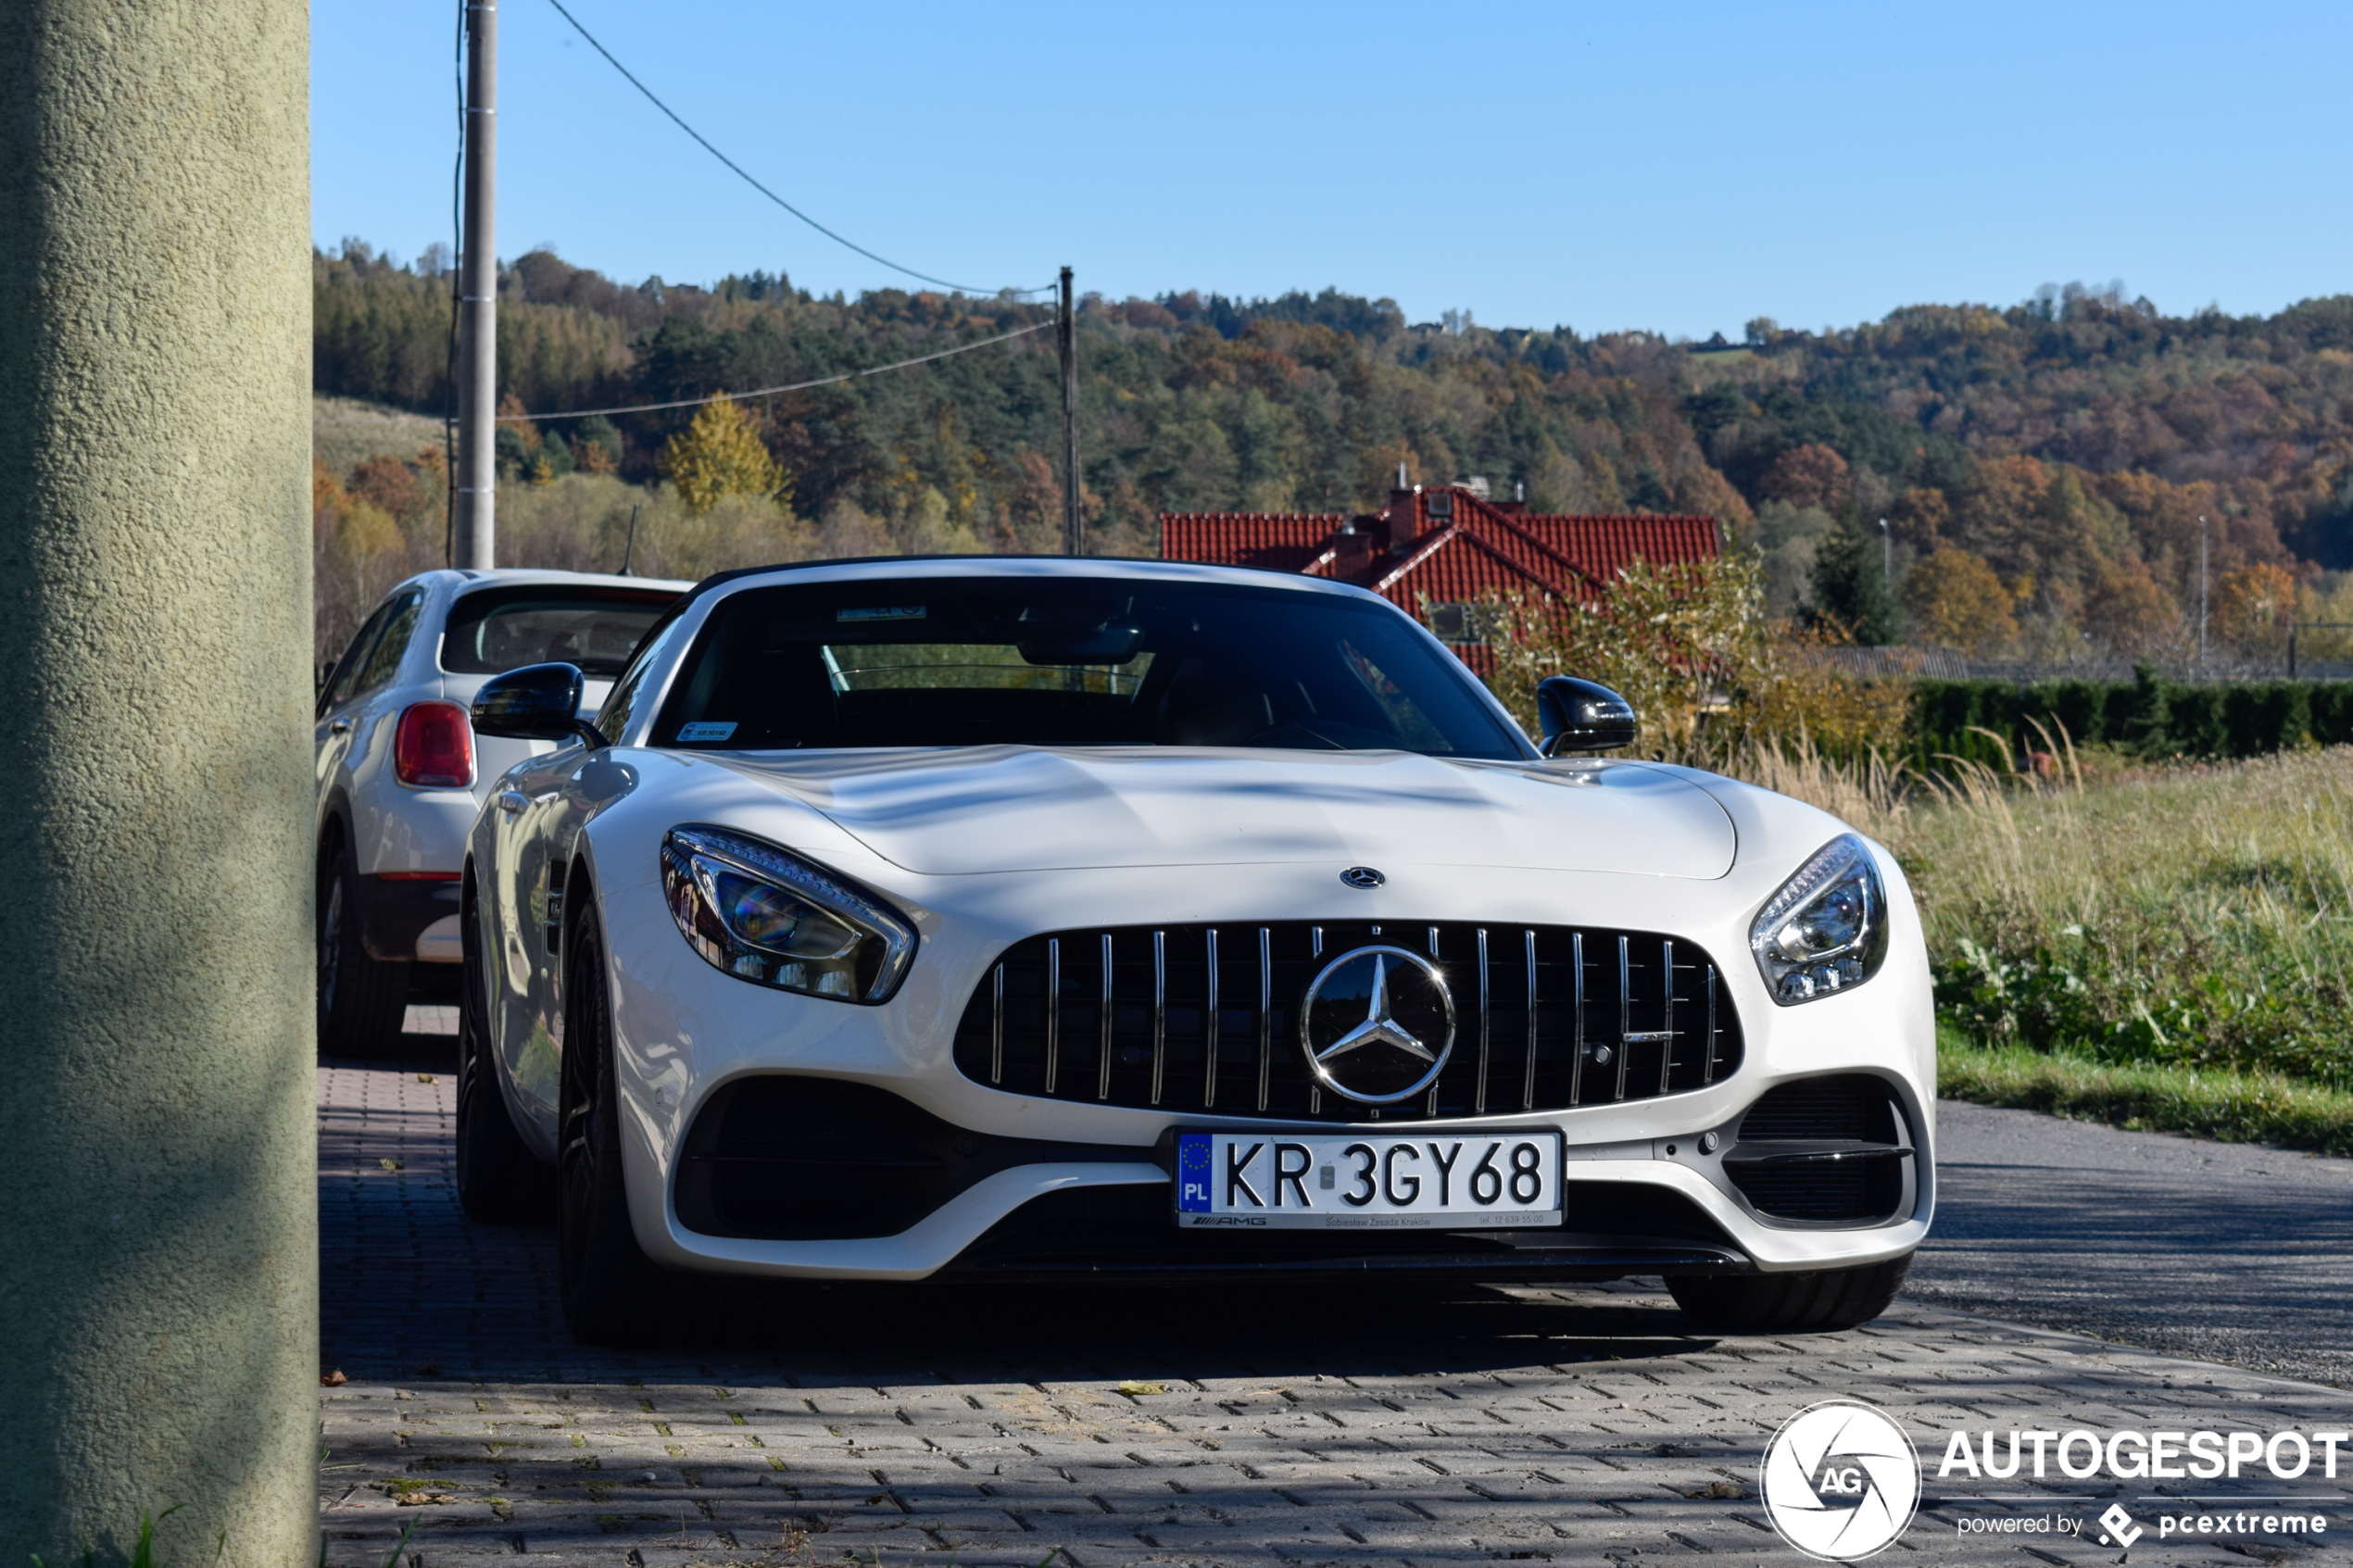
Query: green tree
x=1850, y=588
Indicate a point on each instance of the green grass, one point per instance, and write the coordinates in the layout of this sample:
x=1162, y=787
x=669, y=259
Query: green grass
x=2236, y=1107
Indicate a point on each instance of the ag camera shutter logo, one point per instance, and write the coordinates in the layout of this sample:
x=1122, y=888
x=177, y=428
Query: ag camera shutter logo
x=1840, y=1480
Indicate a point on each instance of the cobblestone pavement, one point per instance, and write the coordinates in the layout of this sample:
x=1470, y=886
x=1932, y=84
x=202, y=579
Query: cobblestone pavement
x=1369, y=1424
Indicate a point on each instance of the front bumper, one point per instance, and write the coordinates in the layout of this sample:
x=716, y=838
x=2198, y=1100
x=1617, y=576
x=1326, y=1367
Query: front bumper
x=1103, y=1206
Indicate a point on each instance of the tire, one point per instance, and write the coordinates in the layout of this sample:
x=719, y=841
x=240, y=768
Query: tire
x=501, y=1182
x=1815, y=1301
x=612, y=1292
x=362, y=1001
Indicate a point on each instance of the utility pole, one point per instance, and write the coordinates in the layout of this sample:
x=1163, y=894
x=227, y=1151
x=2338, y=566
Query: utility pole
x=2201, y=593
x=1886, y=556
x=475, y=540
x=1074, y=524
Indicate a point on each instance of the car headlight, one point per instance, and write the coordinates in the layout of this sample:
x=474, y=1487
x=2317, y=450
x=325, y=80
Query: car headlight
x=766, y=915
x=1826, y=930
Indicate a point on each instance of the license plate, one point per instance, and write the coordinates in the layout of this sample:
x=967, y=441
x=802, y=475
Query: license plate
x=1457, y=1181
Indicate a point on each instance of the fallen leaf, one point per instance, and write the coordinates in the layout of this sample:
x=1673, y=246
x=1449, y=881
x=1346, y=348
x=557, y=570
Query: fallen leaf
x=334, y=1379
x=418, y=1500
x=1131, y=1386
x=392, y=1164
x=426, y=1078
x=1717, y=1489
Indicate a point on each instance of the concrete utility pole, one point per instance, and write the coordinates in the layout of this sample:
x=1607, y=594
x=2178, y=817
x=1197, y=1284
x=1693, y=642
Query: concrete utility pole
x=1074, y=522
x=158, y=1287
x=475, y=542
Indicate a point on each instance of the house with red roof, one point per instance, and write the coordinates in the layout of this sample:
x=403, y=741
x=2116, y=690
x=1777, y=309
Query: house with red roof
x=1444, y=546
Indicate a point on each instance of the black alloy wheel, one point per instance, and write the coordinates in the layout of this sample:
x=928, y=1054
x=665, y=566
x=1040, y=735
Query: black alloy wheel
x=501, y=1182
x=1809, y=1301
x=612, y=1292
x=362, y=1001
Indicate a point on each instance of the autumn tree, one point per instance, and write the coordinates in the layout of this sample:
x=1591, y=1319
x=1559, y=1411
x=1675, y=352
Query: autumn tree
x=719, y=454
x=1811, y=475
x=1958, y=602
x=2253, y=606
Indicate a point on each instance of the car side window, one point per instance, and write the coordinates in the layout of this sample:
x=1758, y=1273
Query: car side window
x=344, y=680
x=378, y=663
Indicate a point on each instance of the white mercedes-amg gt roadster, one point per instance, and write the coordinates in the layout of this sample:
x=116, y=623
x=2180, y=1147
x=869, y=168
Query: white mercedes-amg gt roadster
x=1028, y=920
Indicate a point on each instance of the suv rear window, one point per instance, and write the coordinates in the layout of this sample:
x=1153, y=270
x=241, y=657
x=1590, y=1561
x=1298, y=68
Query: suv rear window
x=495, y=630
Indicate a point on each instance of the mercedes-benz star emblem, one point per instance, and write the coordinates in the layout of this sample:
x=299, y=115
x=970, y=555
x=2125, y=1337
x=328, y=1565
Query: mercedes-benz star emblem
x=1377, y=1024
x=1362, y=876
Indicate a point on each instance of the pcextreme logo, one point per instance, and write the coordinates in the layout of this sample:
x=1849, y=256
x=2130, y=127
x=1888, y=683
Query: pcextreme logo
x=1841, y=1480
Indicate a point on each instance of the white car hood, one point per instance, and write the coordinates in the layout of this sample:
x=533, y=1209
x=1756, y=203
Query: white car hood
x=1023, y=809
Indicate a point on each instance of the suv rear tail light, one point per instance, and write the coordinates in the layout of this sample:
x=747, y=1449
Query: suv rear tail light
x=434, y=748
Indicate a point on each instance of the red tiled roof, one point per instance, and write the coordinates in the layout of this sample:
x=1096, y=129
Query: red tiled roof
x=1446, y=546
x=1279, y=541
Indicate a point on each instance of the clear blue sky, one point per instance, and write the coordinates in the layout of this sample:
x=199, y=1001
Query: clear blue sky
x=1677, y=167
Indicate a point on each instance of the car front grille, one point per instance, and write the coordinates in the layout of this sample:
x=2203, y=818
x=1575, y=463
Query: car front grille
x=1206, y=1017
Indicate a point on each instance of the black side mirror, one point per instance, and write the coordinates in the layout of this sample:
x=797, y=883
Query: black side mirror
x=1583, y=716
x=536, y=702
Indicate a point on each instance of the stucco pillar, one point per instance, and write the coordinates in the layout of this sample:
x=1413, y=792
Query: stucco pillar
x=158, y=1264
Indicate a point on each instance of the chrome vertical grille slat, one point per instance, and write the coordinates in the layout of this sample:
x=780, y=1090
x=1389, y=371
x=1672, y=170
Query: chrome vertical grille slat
x=1543, y=1021
x=1667, y=1013
x=1707, y=1069
x=1265, y=1013
x=1159, y=1010
x=1486, y=1009
x=1209, y=1026
x=1053, y=1011
x=1102, y=1050
x=1315, y=954
x=1527, y=1079
x=1577, y=1011
x=997, y=1030
x=1625, y=1014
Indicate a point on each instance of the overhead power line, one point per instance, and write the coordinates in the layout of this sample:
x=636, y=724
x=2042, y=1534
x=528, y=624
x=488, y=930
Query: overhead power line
x=742, y=175
x=775, y=390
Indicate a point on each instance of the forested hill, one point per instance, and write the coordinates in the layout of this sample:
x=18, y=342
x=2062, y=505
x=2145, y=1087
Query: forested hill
x=2068, y=443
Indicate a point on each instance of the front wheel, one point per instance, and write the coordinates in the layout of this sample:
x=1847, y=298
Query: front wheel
x=1810, y=1301
x=612, y=1292
x=500, y=1181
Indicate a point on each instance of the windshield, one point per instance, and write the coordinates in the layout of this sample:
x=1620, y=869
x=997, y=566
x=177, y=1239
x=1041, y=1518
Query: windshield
x=497, y=629
x=1071, y=662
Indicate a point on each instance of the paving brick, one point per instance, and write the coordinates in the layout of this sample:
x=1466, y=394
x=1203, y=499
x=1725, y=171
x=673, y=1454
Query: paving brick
x=1360, y=1424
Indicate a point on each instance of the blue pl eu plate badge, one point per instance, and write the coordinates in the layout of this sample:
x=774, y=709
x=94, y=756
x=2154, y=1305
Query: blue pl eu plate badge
x=1192, y=1173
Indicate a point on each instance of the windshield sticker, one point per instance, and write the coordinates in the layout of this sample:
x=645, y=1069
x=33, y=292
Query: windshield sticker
x=882, y=613
x=705, y=729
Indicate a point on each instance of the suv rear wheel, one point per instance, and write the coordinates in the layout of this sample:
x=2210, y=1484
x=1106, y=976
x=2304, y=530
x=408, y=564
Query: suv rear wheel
x=362, y=1001
x=1812, y=1301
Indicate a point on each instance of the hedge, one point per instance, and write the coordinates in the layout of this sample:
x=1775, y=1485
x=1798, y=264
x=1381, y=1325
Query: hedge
x=2146, y=715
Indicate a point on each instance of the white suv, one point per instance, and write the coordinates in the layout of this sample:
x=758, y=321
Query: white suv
x=400, y=772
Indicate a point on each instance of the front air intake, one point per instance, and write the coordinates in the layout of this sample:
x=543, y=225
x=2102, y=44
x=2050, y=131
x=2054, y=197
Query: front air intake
x=1832, y=1150
x=1205, y=1018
